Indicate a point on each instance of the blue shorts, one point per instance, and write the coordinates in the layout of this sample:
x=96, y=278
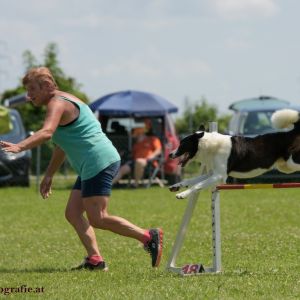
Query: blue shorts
x=99, y=185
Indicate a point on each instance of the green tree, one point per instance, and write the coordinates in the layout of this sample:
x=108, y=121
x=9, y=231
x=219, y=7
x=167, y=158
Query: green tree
x=33, y=116
x=197, y=114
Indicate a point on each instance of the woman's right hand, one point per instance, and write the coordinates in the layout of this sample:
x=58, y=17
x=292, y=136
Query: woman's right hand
x=45, y=187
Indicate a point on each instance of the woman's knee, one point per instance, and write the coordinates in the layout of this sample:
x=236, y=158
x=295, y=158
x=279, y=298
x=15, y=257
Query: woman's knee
x=74, y=209
x=98, y=220
x=72, y=217
x=96, y=211
x=69, y=216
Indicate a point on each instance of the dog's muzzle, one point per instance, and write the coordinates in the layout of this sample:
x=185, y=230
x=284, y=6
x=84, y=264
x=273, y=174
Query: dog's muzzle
x=182, y=159
x=172, y=155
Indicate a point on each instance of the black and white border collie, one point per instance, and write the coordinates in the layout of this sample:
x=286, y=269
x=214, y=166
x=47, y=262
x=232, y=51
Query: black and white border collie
x=238, y=156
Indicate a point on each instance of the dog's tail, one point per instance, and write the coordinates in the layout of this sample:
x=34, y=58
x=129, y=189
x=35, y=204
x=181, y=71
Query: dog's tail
x=285, y=118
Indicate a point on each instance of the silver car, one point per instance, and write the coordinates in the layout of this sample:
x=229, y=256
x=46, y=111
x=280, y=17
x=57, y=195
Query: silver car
x=14, y=167
x=252, y=117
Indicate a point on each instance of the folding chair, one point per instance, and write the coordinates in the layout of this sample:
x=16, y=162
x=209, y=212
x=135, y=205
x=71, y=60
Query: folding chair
x=154, y=171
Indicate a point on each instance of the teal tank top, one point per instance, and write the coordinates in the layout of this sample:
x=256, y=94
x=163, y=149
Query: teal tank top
x=86, y=146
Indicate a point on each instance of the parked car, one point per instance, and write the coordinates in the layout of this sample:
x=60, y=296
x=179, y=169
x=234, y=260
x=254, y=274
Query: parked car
x=14, y=167
x=252, y=117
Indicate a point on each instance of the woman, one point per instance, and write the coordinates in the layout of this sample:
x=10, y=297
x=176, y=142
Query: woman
x=79, y=137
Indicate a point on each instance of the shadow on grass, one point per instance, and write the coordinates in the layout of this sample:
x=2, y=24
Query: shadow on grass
x=248, y=273
x=35, y=270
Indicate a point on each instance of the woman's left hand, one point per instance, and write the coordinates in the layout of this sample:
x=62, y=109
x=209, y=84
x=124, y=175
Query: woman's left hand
x=45, y=187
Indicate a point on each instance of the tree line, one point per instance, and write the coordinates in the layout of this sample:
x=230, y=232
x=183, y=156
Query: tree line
x=196, y=113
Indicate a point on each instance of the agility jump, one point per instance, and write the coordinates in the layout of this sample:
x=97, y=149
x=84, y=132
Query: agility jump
x=215, y=173
x=197, y=268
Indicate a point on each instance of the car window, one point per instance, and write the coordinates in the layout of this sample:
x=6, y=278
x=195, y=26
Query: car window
x=122, y=125
x=257, y=122
x=234, y=123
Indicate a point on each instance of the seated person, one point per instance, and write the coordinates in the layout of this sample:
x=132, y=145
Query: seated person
x=144, y=149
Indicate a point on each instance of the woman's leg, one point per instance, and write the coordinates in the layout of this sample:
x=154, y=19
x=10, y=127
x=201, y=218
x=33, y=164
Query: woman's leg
x=96, y=210
x=74, y=214
x=95, y=195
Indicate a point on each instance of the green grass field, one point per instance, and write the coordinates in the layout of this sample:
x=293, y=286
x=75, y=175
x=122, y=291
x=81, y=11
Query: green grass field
x=260, y=233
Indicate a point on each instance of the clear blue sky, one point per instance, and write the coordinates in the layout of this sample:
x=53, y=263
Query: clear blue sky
x=224, y=50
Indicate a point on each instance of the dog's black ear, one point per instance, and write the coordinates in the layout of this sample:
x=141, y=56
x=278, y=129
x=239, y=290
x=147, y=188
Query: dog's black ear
x=201, y=127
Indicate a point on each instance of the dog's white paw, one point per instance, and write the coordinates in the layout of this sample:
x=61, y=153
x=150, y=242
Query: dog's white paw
x=182, y=195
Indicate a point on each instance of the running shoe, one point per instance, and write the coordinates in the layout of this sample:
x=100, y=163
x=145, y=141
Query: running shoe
x=155, y=245
x=88, y=266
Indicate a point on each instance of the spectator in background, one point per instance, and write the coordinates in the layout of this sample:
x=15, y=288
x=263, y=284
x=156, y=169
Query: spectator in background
x=144, y=149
